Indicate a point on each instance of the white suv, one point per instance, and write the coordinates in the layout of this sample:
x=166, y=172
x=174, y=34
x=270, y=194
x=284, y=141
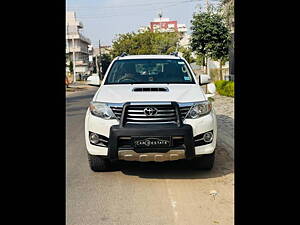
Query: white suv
x=150, y=108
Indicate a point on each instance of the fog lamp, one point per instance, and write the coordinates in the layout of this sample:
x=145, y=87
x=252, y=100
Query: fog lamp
x=207, y=137
x=94, y=138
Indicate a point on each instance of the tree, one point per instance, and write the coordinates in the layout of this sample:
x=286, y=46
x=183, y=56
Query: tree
x=71, y=66
x=187, y=54
x=227, y=10
x=210, y=36
x=145, y=43
x=105, y=62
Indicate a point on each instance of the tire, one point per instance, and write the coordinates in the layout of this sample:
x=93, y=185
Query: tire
x=205, y=162
x=98, y=164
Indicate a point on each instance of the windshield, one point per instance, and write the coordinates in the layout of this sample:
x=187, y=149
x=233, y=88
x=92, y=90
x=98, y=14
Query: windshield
x=147, y=71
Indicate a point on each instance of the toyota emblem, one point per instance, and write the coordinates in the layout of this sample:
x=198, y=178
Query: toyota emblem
x=150, y=111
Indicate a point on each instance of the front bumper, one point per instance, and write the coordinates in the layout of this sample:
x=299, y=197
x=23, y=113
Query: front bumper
x=185, y=132
x=112, y=130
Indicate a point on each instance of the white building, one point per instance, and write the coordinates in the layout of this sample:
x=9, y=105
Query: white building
x=76, y=45
x=182, y=28
x=143, y=29
x=185, y=41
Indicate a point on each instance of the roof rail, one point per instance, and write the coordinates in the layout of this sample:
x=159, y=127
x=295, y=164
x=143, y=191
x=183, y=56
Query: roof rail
x=123, y=54
x=174, y=53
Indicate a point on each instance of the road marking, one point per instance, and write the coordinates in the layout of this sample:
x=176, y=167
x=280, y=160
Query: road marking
x=173, y=202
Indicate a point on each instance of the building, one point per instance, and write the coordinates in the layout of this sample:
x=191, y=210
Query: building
x=77, y=45
x=185, y=41
x=164, y=24
x=143, y=29
x=182, y=28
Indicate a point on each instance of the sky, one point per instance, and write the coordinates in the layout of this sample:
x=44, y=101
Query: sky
x=104, y=19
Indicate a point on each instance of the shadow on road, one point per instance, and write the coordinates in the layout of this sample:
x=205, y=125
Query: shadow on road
x=79, y=109
x=177, y=169
x=73, y=99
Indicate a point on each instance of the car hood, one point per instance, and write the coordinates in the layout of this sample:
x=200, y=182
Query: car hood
x=124, y=93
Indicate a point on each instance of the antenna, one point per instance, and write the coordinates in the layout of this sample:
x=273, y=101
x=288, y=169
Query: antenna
x=160, y=14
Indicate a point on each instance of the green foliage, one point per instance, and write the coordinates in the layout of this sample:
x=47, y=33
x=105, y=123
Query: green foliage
x=71, y=66
x=187, y=54
x=145, y=43
x=105, y=62
x=211, y=99
x=225, y=87
x=210, y=35
x=220, y=84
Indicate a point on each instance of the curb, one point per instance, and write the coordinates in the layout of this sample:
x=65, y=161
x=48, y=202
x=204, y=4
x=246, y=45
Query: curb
x=86, y=88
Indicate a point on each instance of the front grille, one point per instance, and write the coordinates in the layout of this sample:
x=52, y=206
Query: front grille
x=183, y=111
x=117, y=110
x=135, y=114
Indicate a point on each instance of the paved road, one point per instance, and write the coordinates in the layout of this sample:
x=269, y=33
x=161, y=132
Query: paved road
x=137, y=193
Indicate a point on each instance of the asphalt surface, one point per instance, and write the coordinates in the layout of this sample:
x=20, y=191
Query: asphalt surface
x=141, y=193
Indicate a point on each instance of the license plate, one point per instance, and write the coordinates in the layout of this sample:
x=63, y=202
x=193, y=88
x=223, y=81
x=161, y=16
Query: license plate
x=151, y=142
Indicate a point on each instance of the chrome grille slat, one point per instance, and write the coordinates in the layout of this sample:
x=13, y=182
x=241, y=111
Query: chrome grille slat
x=184, y=110
x=117, y=111
x=151, y=119
x=158, y=111
x=154, y=122
x=157, y=115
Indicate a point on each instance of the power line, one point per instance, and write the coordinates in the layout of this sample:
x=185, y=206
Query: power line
x=101, y=16
x=132, y=5
x=104, y=15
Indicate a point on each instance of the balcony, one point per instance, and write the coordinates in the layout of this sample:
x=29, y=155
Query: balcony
x=77, y=35
x=79, y=24
x=81, y=63
x=76, y=49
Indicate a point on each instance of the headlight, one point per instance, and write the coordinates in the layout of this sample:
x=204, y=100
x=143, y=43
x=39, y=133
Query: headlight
x=101, y=110
x=199, y=109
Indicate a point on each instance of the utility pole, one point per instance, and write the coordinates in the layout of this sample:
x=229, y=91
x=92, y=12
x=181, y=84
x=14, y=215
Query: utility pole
x=160, y=16
x=100, y=64
x=74, y=61
x=97, y=65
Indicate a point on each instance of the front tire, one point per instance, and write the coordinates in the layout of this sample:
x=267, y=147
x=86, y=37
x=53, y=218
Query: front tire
x=205, y=162
x=98, y=164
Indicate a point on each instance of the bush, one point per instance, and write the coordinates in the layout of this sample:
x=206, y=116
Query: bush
x=225, y=87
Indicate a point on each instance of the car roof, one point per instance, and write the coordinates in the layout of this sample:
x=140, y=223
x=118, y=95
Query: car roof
x=148, y=57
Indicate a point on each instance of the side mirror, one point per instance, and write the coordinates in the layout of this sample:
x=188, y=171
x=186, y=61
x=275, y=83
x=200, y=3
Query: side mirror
x=204, y=79
x=211, y=90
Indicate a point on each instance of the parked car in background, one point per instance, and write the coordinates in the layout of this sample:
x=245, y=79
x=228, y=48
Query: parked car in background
x=85, y=76
x=94, y=79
